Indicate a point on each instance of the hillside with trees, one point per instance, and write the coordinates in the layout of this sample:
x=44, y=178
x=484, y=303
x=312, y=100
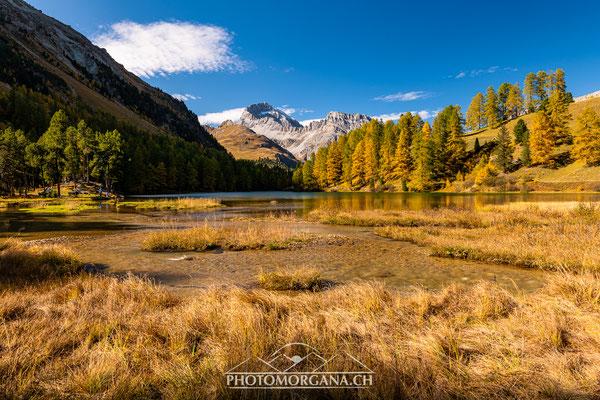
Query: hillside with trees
x=64, y=102
x=506, y=142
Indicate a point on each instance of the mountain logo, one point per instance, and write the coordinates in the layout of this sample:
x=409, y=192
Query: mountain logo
x=300, y=366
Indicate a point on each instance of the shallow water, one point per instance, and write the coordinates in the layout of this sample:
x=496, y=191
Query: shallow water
x=112, y=238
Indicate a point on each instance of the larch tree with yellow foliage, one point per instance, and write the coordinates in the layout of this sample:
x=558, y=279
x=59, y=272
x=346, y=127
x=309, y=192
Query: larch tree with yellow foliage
x=542, y=138
x=320, y=168
x=371, y=161
x=476, y=113
x=402, y=157
x=491, y=107
x=514, y=102
x=334, y=165
x=387, y=150
x=587, y=142
x=358, y=165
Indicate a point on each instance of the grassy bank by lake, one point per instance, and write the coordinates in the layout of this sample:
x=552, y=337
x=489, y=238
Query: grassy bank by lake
x=82, y=336
x=554, y=236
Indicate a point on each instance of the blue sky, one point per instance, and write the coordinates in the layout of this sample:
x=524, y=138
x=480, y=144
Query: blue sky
x=376, y=58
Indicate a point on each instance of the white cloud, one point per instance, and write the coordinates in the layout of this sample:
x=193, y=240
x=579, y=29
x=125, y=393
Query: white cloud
x=168, y=47
x=286, y=109
x=186, y=97
x=490, y=70
x=292, y=110
x=403, y=96
x=218, y=117
x=307, y=122
x=291, y=69
x=425, y=114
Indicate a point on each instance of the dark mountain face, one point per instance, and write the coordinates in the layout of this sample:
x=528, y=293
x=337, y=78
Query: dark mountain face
x=46, y=55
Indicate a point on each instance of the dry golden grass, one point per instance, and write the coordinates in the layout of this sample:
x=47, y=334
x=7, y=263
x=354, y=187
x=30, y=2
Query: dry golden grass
x=20, y=262
x=101, y=337
x=246, y=237
x=555, y=236
x=301, y=278
x=180, y=203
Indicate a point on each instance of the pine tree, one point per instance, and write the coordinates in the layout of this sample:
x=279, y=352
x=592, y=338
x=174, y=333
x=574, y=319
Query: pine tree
x=475, y=113
x=297, y=180
x=530, y=90
x=13, y=153
x=72, y=154
x=587, y=143
x=423, y=153
x=358, y=165
x=53, y=143
x=491, y=107
x=85, y=142
x=504, y=149
x=526, y=151
x=520, y=131
x=542, y=138
x=308, y=178
x=514, y=102
x=476, y=146
x=108, y=157
x=456, y=145
x=334, y=165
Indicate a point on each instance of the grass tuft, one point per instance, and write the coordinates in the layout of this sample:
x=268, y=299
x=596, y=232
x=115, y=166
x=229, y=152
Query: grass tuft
x=201, y=238
x=292, y=279
x=22, y=262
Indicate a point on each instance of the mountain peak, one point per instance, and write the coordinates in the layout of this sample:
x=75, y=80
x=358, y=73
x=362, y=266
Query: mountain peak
x=300, y=140
x=266, y=111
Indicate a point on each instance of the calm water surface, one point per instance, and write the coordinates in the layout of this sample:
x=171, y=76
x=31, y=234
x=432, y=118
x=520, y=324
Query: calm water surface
x=399, y=264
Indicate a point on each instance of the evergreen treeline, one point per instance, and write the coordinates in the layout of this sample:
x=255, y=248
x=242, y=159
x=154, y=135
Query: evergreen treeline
x=418, y=156
x=47, y=139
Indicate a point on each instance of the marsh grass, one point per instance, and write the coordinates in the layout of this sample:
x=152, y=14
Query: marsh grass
x=181, y=203
x=58, y=207
x=237, y=237
x=553, y=236
x=22, y=262
x=298, y=278
x=104, y=337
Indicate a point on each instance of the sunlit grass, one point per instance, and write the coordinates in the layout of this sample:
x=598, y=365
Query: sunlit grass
x=103, y=337
x=292, y=278
x=25, y=262
x=182, y=203
x=551, y=235
x=236, y=237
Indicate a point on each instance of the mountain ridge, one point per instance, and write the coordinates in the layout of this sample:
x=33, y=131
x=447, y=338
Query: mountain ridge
x=80, y=68
x=289, y=133
x=243, y=143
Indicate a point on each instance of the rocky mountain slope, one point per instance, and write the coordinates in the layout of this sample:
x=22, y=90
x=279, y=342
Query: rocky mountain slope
x=300, y=140
x=243, y=143
x=48, y=56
